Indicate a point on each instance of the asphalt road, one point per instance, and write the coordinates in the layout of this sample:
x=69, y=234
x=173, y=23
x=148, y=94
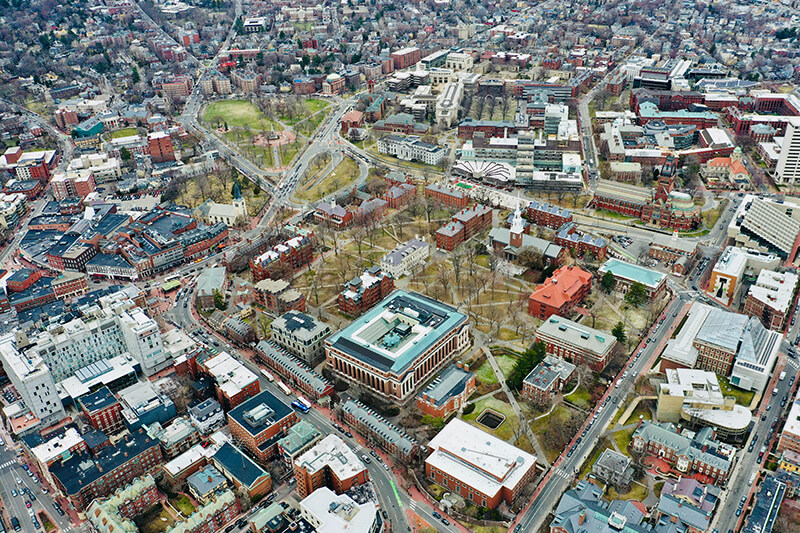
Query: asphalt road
x=10, y=471
x=393, y=500
x=566, y=467
x=761, y=435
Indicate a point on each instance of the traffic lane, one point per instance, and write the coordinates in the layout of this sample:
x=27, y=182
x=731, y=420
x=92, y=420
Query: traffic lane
x=17, y=502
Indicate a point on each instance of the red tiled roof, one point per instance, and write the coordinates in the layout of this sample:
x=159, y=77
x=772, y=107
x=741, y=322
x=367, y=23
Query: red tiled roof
x=562, y=286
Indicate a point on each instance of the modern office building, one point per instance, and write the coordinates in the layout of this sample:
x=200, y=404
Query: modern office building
x=788, y=170
x=727, y=276
x=259, y=423
x=576, y=343
x=695, y=398
x=393, y=348
x=327, y=511
x=766, y=225
x=329, y=463
x=301, y=335
x=479, y=467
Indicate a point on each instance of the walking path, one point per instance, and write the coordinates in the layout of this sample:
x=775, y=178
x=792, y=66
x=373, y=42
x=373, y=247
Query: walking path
x=514, y=405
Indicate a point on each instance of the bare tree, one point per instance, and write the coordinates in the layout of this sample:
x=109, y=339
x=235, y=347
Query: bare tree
x=456, y=259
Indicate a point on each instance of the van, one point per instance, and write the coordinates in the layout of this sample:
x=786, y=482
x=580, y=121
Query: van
x=782, y=376
x=775, y=391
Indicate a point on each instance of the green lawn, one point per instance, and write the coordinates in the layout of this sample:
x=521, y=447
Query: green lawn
x=288, y=151
x=640, y=410
x=580, y=397
x=611, y=214
x=638, y=492
x=156, y=520
x=505, y=430
x=239, y=114
x=345, y=173
x=312, y=105
x=182, y=503
x=506, y=363
x=559, y=414
x=486, y=374
x=125, y=132
x=743, y=397
x=623, y=438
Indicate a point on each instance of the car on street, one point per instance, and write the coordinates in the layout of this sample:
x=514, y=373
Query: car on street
x=436, y=515
x=14, y=493
x=27, y=503
x=445, y=521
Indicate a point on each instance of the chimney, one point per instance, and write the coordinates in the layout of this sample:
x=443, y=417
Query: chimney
x=466, y=367
x=210, y=479
x=459, y=364
x=582, y=517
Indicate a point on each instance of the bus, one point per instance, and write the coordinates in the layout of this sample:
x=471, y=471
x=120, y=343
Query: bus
x=286, y=390
x=300, y=406
x=305, y=402
x=267, y=375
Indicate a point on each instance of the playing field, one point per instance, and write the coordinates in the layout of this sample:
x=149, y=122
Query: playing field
x=238, y=114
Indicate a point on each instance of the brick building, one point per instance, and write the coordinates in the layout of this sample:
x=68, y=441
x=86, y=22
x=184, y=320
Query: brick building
x=85, y=477
x=465, y=224
x=378, y=430
x=159, y=145
x=103, y=410
x=283, y=259
x=448, y=392
x=576, y=343
x=329, y=463
x=362, y=292
x=546, y=380
x=582, y=244
x=452, y=196
x=234, y=383
x=406, y=57
x=560, y=293
x=478, y=466
x=259, y=423
x=278, y=296
x=548, y=215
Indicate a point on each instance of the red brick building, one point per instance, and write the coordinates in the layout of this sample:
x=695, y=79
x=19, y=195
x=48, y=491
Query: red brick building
x=448, y=392
x=548, y=215
x=259, y=423
x=406, y=57
x=329, y=463
x=277, y=295
x=103, y=410
x=560, y=293
x=579, y=344
x=160, y=147
x=22, y=279
x=466, y=223
x=451, y=196
x=546, y=380
x=83, y=477
x=582, y=244
x=352, y=119
x=282, y=259
x=399, y=195
x=361, y=293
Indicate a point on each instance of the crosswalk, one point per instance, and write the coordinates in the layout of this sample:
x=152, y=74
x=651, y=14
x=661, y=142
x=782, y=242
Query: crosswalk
x=793, y=363
x=562, y=473
x=7, y=464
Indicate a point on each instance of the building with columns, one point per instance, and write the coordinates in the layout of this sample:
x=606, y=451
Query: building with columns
x=394, y=348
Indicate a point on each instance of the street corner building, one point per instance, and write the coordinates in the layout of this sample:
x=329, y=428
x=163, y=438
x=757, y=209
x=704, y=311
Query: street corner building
x=398, y=344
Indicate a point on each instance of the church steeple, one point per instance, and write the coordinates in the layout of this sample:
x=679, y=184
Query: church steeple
x=237, y=193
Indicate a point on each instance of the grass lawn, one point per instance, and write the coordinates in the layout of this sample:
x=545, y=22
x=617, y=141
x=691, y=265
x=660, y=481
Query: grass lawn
x=641, y=410
x=182, y=503
x=345, y=173
x=560, y=413
x=506, y=363
x=486, y=374
x=580, y=397
x=240, y=114
x=505, y=430
x=483, y=529
x=711, y=216
x=638, y=492
x=155, y=520
x=743, y=397
x=605, y=213
x=288, y=151
x=124, y=132
x=657, y=487
x=623, y=438
x=436, y=490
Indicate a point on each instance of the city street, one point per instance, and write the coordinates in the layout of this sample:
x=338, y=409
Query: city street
x=563, y=472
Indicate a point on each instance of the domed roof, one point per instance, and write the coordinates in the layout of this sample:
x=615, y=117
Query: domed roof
x=333, y=77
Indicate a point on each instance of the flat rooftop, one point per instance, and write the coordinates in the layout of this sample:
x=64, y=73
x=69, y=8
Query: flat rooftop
x=398, y=330
x=332, y=452
x=477, y=458
x=645, y=276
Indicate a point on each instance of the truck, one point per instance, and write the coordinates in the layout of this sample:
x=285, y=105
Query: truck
x=782, y=376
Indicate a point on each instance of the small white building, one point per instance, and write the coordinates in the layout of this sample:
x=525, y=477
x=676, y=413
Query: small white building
x=406, y=258
x=232, y=214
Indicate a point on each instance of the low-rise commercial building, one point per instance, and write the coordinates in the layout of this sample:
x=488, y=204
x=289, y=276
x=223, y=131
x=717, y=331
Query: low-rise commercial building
x=327, y=511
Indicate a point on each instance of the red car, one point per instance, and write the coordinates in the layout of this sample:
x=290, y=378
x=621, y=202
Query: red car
x=27, y=503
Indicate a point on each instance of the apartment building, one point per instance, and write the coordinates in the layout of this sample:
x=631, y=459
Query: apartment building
x=278, y=296
x=259, y=423
x=283, y=258
x=771, y=297
x=451, y=196
x=207, y=416
x=406, y=57
x=329, y=463
x=234, y=382
x=464, y=225
x=103, y=410
x=788, y=169
x=301, y=335
x=789, y=438
x=159, y=145
x=362, y=292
